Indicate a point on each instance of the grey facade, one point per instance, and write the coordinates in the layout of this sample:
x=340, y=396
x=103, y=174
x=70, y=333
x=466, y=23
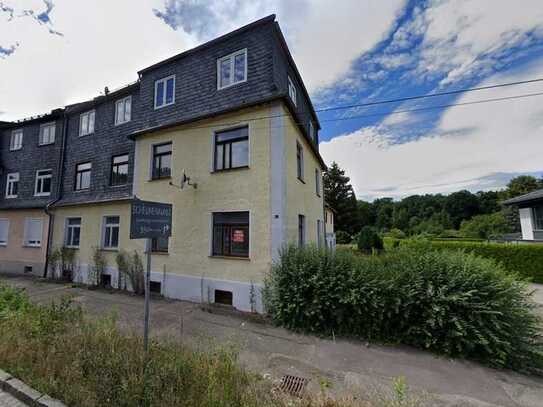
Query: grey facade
x=30, y=158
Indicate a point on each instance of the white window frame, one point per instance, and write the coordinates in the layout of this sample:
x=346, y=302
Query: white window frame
x=67, y=226
x=124, y=101
x=10, y=179
x=26, y=238
x=292, y=91
x=105, y=226
x=232, y=58
x=87, y=131
x=52, y=126
x=43, y=177
x=4, y=241
x=165, y=80
x=16, y=140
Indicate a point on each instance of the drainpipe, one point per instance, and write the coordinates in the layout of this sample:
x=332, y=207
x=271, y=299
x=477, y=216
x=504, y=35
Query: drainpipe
x=60, y=172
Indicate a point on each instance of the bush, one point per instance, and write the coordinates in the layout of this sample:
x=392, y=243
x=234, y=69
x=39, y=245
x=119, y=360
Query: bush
x=485, y=226
x=524, y=259
x=452, y=303
x=369, y=240
x=396, y=234
x=131, y=267
x=343, y=237
x=97, y=267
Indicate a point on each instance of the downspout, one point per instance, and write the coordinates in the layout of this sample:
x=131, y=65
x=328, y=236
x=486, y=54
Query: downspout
x=60, y=172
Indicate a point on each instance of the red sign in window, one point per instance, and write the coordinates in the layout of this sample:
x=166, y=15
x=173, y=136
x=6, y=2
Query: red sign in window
x=238, y=236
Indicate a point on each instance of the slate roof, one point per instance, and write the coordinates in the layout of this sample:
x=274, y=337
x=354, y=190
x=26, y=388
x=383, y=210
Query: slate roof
x=526, y=198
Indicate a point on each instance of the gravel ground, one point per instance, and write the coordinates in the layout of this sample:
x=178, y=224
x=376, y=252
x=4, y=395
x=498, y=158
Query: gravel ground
x=6, y=400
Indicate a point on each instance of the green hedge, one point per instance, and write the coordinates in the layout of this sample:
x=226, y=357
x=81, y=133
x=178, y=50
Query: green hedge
x=525, y=259
x=450, y=302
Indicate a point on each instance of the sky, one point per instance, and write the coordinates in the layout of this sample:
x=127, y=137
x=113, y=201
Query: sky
x=57, y=52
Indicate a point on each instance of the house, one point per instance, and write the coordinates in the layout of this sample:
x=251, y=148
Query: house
x=531, y=214
x=232, y=114
x=330, y=236
x=30, y=153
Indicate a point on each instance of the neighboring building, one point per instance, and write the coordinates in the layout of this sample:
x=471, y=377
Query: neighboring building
x=330, y=235
x=30, y=152
x=235, y=116
x=531, y=214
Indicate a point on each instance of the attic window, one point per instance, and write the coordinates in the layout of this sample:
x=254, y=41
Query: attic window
x=232, y=69
x=292, y=91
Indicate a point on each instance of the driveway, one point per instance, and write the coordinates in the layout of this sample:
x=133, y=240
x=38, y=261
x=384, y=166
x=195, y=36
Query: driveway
x=346, y=366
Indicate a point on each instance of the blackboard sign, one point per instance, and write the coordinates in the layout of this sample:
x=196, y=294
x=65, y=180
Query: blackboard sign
x=150, y=220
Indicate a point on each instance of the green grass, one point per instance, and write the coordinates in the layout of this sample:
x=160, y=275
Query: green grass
x=89, y=363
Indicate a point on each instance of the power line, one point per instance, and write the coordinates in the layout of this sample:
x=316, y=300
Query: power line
x=429, y=95
x=238, y=122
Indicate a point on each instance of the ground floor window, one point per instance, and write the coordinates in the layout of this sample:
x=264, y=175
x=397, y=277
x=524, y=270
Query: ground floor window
x=4, y=231
x=538, y=217
x=111, y=232
x=231, y=234
x=301, y=230
x=159, y=245
x=73, y=232
x=33, y=232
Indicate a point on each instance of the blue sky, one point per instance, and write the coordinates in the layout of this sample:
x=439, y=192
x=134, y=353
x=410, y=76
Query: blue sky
x=354, y=52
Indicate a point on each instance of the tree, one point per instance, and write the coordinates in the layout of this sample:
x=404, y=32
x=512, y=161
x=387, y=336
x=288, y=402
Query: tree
x=369, y=240
x=400, y=218
x=523, y=184
x=461, y=205
x=339, y=195
x=489, y=201
x=485, y=226
x=383, y=209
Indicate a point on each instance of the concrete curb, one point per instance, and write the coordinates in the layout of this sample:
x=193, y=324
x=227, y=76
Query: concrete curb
x=26, y=394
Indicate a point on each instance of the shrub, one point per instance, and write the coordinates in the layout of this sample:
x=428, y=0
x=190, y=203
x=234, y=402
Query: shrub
x=396, y=234
x=369, y=240
x=343, y=237
x=452, y=303
x=485, y=226
x=97, y=267
x=131, y=267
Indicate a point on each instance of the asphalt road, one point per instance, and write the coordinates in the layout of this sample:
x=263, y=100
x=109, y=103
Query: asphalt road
x=6, y=400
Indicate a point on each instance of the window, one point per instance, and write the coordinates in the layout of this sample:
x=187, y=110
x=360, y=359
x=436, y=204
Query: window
x=16, y=141
x=12, y=185
x=110, y=232
x=231, y=149
x=83, y=176
x=33, y=232
x=300, y=161
x=292, y=91
x=301, y=230
x=317, y=182
x=231, y=234
x=47, y=134
x=43, y=183
x=86, y=123
x=123, y=110
x=165, y=92
x=119, y=170
x=538, y=217
x=312, y=131
x=73, y=232
x=4, y=232
x=162, y=161
x=159, y=245
x=232, y=69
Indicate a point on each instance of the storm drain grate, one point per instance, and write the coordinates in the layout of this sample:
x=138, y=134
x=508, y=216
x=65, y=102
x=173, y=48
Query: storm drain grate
x=293, y=385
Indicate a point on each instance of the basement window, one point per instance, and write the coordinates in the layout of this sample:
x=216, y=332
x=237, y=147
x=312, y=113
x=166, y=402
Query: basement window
x=155, y=286
x=223, y=297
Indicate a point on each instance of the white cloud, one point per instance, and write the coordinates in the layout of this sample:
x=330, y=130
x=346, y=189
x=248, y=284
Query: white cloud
x=469, y=146
x=105, y=43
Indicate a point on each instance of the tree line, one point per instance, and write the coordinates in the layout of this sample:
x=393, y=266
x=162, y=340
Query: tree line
x=459, y=214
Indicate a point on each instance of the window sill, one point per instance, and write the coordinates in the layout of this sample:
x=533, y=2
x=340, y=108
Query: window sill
x=82, y=190
x=231, y=85
x=230, y=257
x=72, y=247
x=244, y=167
x=31, y=246
x=41, y=195
x=160, y=253
x=165, y=105
x=87, y=134
x=159, y=179
x=11, y=197
x=109, y=249
x=121, y=123
x=301, y=180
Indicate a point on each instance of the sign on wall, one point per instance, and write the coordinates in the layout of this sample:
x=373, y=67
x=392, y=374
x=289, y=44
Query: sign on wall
x=150, y=220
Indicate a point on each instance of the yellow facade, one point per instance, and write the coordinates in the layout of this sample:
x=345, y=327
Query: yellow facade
x=189, y=263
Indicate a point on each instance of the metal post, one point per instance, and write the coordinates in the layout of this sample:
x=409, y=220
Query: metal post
x=147, y=295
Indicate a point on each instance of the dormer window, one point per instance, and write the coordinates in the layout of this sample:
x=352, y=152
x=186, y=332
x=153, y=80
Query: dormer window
x=312, y=131
x=165, y=92
x=232, y=69
x=86, y=123
x=47, y=134
x=123, y=110
x=292, y=92
x=16, y=141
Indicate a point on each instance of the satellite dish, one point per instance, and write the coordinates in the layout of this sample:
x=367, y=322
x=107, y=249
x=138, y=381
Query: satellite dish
x=184, y=179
